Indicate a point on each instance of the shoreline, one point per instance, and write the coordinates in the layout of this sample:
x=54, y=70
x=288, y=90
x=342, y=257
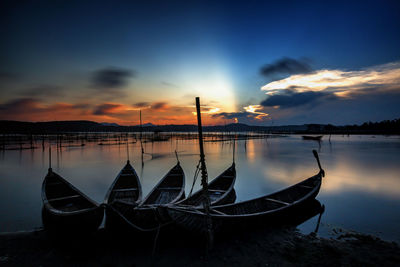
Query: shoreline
x=272, y=247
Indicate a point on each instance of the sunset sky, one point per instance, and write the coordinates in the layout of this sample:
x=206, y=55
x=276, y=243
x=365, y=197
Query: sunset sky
x=254, y=62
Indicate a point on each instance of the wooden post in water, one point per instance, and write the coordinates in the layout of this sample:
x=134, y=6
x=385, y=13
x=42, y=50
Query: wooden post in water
x=204, y=177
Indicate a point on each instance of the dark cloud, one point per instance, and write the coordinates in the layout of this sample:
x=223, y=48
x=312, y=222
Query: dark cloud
x=105, y=109
x=285, y=66
x=159, y=106
x=19, y=105
x=243, y=117
x=8, y=76
x=111, y=78
x=232, y=115
x=141, y=104
x=31, y=108
x=290, y=98
x=169, y=84
x=44, y=90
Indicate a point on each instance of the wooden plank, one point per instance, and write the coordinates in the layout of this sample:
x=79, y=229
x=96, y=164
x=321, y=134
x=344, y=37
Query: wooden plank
x=63, y=198
x=277, y=201
x=125, y=189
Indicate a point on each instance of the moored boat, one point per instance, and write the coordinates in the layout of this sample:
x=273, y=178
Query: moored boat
x=221, y=190
x=269, y=209
x=126, y=190
x=143, y=216
x=66, y=209
x=312, y=137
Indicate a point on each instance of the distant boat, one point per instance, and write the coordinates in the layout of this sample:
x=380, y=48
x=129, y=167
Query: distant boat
x=143, y=216
x=125, y=189
x=269, y=209
x=311, y=137
x=220, y=190
x=65, y=208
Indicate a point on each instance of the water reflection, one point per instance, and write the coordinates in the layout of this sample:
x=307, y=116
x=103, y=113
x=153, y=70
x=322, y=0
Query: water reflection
x=359, y=170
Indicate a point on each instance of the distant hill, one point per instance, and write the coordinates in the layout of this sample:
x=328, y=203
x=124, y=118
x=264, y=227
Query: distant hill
x=51, y=127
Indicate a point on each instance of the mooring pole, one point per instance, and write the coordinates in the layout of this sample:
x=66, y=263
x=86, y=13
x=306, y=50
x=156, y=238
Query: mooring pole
x=204, y=177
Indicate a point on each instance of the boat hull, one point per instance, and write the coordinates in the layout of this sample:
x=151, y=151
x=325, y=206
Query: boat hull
x=86, y=221
x=246, y=215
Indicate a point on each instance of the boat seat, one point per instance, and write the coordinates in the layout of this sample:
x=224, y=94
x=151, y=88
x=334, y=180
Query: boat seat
x=217, y=211
x=217, y=190
x=125, y=189
x=277, y=201
x=169, y=188
x=63, y=198
x=306, y=186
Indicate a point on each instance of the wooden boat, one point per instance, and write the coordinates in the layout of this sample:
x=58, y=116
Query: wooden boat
x=169, y=190
x=125, y=190
x=142, y=216
x=311, y=137
x=220, y=190
x=273, y=208
x=126, y=187
x=67, y=209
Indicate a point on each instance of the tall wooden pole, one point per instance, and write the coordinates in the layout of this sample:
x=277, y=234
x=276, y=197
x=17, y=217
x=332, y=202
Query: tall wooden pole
x=204, y=177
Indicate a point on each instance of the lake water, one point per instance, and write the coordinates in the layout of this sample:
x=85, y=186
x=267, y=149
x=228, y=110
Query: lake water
x=361, y=190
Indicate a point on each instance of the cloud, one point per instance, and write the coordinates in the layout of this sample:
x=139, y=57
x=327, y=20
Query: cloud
x=328, y=85
x=252, y=113
x=107, y=109
x=290, y=98
x=159, y=106
x=8, y=76
x=141, y=105
x=43, y=90
x=111, y=78
x=32, y=109
x=340, y=82
x=285, y=66
x=168, y=84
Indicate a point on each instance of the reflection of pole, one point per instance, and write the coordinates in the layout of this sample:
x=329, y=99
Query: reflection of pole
x=204, y=177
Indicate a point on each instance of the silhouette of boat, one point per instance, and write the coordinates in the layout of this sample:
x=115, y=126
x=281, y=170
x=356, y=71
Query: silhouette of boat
x=169, y=190
x=269, y=209
x=125, y=190
x=67, y=209
x=220, y=190
x=311, y=137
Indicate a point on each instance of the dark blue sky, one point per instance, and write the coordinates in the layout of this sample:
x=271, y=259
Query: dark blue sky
x=169, y=51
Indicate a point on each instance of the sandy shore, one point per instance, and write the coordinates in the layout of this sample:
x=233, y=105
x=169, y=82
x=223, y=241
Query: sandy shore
x=265, y=247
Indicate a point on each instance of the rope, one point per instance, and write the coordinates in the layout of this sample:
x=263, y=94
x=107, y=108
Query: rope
x=196, y=174
x=132, y=224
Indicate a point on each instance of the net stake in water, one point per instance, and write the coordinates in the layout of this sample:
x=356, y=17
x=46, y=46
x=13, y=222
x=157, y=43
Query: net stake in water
x=204, y=177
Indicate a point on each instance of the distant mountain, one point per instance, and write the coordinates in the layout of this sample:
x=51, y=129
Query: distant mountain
x=109, y=124
x=52, y=127
x=147, y=125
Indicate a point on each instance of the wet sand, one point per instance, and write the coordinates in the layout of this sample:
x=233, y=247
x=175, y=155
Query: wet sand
x=264, y=247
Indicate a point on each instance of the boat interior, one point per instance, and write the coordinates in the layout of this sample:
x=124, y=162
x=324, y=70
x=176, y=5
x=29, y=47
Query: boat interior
x=168, y=190
x=62, y=197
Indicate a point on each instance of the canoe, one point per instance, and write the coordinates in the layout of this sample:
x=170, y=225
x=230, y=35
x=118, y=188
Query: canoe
x=220, y=190
x=126, y=187
x=311, y=137
x=67, y=209
x=143, y=216
x=170, y=189
x=125, y=190
x=270, y=209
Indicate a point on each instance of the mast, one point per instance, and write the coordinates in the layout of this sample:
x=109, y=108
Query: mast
x=204, y=176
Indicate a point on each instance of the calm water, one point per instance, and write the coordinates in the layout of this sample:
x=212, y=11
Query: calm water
x=361, y=190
